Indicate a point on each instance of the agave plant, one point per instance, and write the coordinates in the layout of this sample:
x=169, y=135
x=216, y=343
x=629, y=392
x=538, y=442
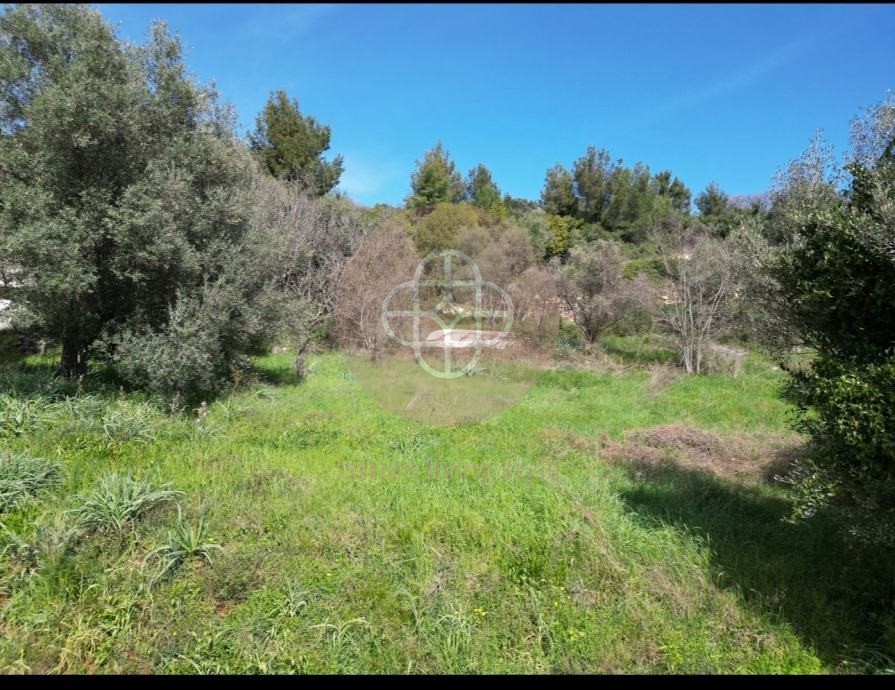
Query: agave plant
x=185, y=542
x=118, y=501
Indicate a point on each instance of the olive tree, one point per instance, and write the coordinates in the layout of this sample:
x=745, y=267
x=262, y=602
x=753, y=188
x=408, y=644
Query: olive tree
x=125, y=203
x=838, y=280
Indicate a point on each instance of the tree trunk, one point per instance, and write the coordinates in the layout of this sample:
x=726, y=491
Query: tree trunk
x=73, y=362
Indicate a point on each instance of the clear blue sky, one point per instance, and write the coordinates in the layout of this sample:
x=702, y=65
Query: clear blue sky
x=725, y=92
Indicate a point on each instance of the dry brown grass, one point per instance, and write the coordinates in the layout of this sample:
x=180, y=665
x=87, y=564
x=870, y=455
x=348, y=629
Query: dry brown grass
x=748, y=458
x=662, y=376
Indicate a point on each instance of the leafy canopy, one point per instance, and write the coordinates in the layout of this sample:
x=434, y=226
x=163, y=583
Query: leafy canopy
x=291, y=145
x=125, y=201
x=838, y=280
x=436, y=180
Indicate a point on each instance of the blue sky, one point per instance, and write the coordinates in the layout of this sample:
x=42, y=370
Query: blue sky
x=712, y=92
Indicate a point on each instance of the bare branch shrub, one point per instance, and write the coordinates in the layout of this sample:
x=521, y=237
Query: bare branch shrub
x=700, y=290
x=386, y=258
x=314, y=239
x=593, y=287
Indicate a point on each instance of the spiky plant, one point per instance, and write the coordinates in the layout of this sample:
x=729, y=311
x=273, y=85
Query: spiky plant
x=23, y=476
x=20, y=416
x=118, y=501
x=185, y=543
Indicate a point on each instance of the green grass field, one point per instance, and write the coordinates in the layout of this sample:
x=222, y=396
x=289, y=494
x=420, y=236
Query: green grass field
x=353, y=540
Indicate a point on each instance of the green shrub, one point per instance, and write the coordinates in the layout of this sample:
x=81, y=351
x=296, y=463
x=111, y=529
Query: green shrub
x=199, y=349
x=847, y=412
x=651, y=267
x=439, y=229
x=838, y=282
x=570, y=336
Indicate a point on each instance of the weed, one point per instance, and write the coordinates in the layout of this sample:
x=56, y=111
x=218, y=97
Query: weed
x=184, y=543
x=119, y=500
x=123, y=424
x=22, y=477
x=295, y=600
x=25, y=554
x=20, y=416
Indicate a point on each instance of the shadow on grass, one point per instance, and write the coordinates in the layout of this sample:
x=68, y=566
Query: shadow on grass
x=9, y=347
x=638, y=350
x=34, y=376
x=277, y=371
x=836, y=596
x=28, y=376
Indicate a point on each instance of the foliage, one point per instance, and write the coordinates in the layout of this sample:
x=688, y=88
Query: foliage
x=558, y=196
x=593, y=287
x=652, y=267
x=718, y=213
x=440, y=229
x=806, y=185
x=118, y=501
x=665, y=185
x=761, y=313
x=712, y=201
x=435, y=180
x=850, y=424
x=607, y=195
x=560, y=230
x=481, y=190
x=535, y=223
x=127, y=215
x=291, y=146
x=838, y=281
x=23, y=476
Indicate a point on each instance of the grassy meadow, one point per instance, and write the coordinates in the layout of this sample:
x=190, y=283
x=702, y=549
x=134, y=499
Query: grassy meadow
x=316, y=532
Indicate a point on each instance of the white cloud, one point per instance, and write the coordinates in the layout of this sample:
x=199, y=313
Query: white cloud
x=730, y=83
